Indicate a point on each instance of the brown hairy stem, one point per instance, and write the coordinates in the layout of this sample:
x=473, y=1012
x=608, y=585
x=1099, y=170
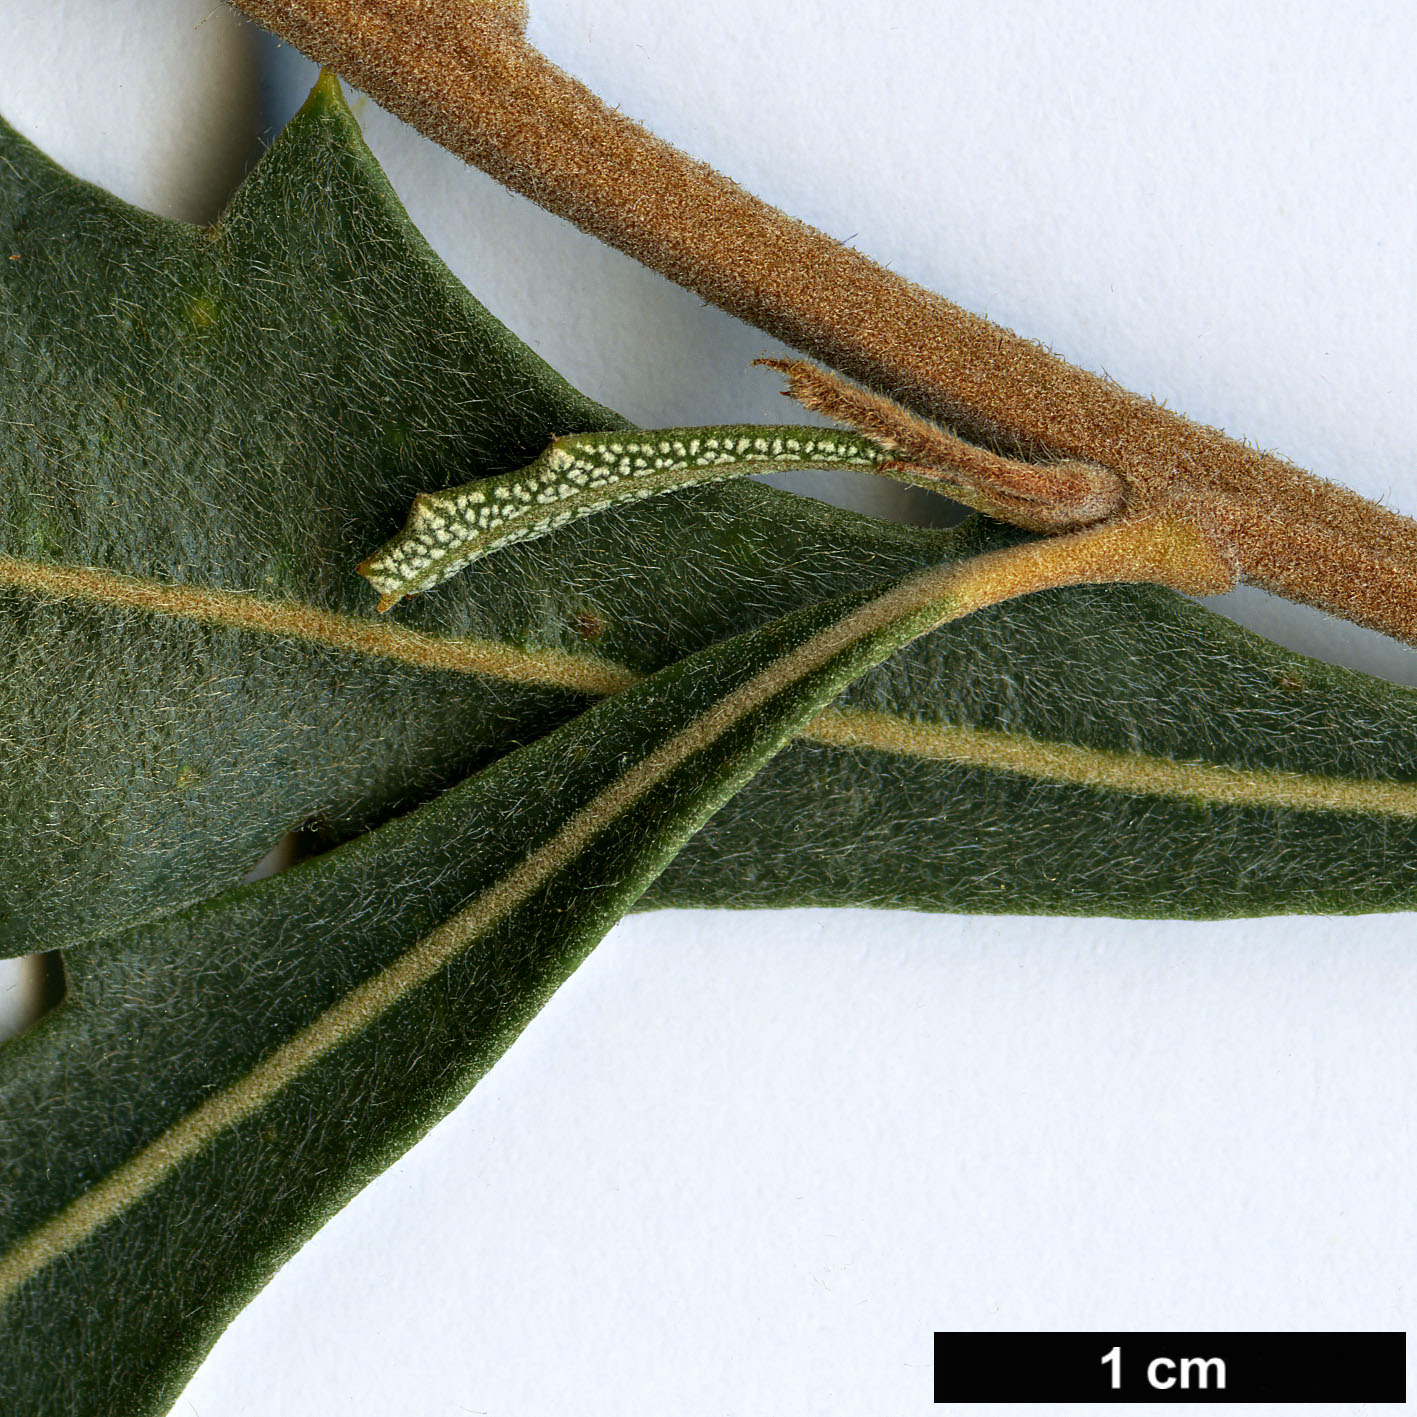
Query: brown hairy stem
x=461, y=72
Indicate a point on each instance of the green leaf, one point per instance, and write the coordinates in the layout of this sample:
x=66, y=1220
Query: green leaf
x=582, y=474
x=219, y=1081
x=201, y=429
x=1110, y=750
x=205, y=431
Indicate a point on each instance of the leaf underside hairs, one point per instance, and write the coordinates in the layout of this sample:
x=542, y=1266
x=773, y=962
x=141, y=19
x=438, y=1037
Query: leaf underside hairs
x=459, y=923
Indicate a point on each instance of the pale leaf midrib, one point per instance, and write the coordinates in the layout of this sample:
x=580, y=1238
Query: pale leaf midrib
x=106, y=1199
x=1070, y=764
x=1066, y=764
x=243, y=610
x=949, y=589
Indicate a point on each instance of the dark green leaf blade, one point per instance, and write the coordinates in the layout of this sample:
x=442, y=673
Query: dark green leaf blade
x=202, y=433
x=205, y=431
x=191, y=665
x=1112, y=751
x=221, y=1080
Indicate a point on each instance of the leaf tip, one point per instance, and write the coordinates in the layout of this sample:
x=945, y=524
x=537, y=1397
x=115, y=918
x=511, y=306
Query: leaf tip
x=326, y=97
x=387, y=598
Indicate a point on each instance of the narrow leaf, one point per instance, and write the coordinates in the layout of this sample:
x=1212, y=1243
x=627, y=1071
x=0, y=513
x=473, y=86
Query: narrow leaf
x=586, y=473
x=221, y=1080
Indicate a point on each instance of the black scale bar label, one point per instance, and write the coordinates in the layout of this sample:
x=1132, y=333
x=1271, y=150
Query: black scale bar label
x=1170, y=1367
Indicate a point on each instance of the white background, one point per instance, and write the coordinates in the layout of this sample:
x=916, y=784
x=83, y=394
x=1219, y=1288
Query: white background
x=747, y=1164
